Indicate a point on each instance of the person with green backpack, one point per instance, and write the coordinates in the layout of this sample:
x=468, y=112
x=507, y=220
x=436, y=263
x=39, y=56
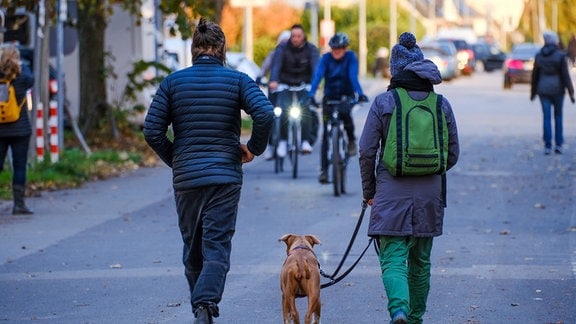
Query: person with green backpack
x=409, y=141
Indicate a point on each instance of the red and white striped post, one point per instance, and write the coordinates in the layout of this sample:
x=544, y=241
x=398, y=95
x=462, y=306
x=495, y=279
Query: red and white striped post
x=53, y=123
x=40, y=132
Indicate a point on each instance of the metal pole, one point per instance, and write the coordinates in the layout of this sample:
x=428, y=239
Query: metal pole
x=393, y=25
x=432, y=17
x=412, y=17
x=248, y=34
x=541, y=17
x=2, y=29
x=314, y=22
x=555, y=16
x=156, y=24
x=62, y=12
x=362, y=48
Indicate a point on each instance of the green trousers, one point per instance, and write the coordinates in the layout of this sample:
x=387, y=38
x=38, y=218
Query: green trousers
x=405, y=265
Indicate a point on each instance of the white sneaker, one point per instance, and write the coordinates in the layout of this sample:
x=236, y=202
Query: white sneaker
x=306, y=147
x=269, y=153
x=282, y=148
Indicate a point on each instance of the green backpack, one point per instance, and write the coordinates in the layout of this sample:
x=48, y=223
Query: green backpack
x=417, y=140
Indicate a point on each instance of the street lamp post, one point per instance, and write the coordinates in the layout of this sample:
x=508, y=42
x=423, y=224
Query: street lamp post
x=393, y=25
x=555, y=15
x=362, y=48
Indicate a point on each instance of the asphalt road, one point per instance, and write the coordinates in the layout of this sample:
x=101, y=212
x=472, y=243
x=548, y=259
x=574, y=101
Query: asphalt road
x=110, y=251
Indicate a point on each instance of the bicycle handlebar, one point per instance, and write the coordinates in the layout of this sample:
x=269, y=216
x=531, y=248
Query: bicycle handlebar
x=350, y=100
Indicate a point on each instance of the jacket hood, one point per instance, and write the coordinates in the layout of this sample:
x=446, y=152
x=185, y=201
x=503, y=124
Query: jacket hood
x=425, y=69
x=548, y=49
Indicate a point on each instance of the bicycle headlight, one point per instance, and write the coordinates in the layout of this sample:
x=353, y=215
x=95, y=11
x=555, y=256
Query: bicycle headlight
x=277, y=111
x=294, y=112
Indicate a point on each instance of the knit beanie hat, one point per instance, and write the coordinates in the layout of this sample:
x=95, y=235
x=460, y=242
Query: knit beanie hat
x=404, y=53
x=550, y=38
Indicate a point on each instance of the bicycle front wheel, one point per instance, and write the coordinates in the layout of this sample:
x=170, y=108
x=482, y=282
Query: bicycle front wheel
x=275, y=141
x=343, y=161
x=294, y=148
x=336, y=162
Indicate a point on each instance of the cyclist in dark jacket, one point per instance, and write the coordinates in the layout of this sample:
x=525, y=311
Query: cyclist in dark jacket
x=293, y=65
x=339, y=69
x=16, y=135
x=550, y=81
x=203, y=103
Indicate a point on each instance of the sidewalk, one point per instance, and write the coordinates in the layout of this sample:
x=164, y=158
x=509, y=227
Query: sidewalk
x=61, y=214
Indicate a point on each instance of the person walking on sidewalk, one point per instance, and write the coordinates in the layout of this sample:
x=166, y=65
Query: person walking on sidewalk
x=16, y=135
x=406, y=211
x=339, y=69
x=292, y=66
x=550, y=81
x=203, y=103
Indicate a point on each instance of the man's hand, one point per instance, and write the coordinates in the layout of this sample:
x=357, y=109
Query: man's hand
x=369, y=201
x=363, y=98
x=572, y=98
x=272, y=85
x=532, y=97
x=247, y=156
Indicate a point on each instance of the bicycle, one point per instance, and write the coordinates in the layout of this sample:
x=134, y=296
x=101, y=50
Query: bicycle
x=275, y=135
x=337, y=143
x=294, y=118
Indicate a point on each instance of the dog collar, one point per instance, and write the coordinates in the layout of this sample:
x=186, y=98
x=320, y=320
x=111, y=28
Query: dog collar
x=301, y=247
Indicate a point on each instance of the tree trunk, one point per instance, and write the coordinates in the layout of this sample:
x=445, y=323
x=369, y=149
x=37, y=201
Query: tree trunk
x=91, y=40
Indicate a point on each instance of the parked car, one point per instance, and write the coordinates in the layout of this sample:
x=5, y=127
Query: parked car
x=519, y=64
x=238, y=61
x=446, y=63
x=489, y=56
x=465, y=55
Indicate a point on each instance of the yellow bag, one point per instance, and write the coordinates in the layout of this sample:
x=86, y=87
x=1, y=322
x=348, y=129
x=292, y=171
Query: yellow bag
x=9, y=107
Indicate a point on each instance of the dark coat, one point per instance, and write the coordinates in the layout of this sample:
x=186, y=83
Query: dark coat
x=550, y=75
x=203, y=103
x=294, y=65
x=21, y=127
x=403, y=206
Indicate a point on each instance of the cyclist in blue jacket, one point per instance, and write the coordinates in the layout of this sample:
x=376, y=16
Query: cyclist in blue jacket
x=339, y=69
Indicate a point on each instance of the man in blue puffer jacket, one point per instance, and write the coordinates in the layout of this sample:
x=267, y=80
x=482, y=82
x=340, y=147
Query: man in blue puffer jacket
x=203, y=103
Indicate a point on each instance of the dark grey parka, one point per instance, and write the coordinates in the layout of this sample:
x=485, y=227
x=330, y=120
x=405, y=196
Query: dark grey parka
x=204, y=103
x=550, y=76
x=403, y=206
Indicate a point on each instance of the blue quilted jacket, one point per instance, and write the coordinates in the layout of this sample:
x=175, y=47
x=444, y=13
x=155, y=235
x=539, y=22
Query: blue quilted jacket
x=203, y=104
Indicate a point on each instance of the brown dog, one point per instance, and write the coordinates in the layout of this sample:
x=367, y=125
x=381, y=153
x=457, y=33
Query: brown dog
x=300, y=276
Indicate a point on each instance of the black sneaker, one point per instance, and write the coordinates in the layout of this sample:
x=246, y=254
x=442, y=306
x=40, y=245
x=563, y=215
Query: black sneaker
x=558, y=150
x=547, y=151
x=323, y=178
x=203, y=316
x=352, y=149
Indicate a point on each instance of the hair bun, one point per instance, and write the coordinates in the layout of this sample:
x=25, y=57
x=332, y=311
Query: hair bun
x=407, y=40
x=202, y=25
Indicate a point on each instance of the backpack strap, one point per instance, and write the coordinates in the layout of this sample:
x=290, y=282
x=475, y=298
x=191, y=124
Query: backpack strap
x=399, y=136
x=440, y=114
